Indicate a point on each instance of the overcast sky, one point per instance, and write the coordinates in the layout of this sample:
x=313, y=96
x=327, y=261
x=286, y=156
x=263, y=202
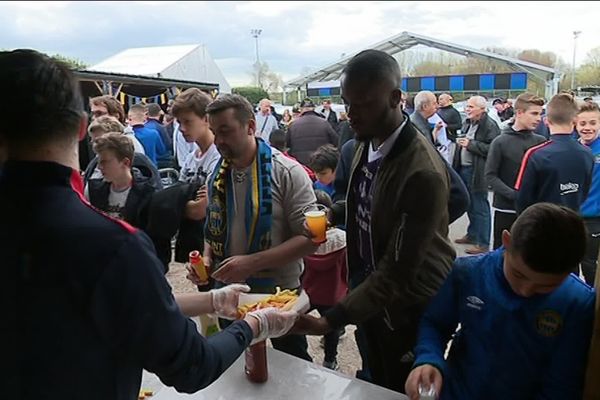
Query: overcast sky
x=296, y=35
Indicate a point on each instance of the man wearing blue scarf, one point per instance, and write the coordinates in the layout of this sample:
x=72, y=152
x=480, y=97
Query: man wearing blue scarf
x=255, y=216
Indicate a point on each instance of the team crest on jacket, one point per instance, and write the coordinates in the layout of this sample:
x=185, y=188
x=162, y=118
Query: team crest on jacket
x=548, y=323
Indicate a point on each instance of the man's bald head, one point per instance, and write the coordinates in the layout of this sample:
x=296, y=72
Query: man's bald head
x=445, y=100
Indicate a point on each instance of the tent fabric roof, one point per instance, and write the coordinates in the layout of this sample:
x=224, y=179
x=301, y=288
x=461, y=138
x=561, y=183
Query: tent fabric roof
x=406, y=40
x=131, y=79
x=149, y=61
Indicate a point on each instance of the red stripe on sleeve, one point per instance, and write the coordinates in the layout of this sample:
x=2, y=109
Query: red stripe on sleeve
x=525, y=160
x=77, y=186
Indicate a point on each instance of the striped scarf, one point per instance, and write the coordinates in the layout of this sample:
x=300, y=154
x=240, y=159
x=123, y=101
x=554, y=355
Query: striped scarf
x=259, y=205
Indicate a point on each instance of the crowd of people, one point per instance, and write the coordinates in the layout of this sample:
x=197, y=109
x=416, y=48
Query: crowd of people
x=88, y=226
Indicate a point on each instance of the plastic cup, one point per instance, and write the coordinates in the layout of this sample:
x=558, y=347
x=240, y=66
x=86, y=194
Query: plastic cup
x=316, y=221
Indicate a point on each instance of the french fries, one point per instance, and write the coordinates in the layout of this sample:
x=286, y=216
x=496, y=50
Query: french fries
x=283, y=299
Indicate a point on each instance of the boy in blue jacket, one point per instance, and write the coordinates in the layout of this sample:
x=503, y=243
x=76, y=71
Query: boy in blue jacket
x=588, y=128
x=558, y=171
x=525, y=321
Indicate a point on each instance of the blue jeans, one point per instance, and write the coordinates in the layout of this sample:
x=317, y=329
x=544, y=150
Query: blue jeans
x=480, y=219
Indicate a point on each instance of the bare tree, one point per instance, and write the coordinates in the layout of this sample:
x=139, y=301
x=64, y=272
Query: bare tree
x=269, y=80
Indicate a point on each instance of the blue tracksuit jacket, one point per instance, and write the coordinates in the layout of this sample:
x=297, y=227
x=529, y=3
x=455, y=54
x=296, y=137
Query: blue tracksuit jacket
x=85, y=305
x=591, y=207
x=558, y=171
x=508, y=347
x=150, y=139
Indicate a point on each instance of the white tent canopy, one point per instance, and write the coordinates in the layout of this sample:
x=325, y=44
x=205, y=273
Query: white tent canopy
x=406, y=40
x=184, y=62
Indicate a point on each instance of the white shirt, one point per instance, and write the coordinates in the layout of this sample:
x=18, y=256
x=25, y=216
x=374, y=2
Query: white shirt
x=385, y=147
x=181, y=148
x=116, y=202
x=442, y=138
x=265, y=124
x=199, y=166
x=493, y=114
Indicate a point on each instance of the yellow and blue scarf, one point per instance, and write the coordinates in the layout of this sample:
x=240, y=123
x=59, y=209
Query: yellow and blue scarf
x=259, y=205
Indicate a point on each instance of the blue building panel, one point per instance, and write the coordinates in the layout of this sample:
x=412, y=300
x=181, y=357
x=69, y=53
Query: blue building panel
x=486, y=82
x=404, y=85
x=324, y=92
x=428, y=83
x=457, y=83
x=518, y=81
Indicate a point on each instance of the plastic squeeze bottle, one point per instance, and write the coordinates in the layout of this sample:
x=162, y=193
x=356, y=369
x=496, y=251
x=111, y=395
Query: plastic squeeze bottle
x=209, y=324
x=256, y=363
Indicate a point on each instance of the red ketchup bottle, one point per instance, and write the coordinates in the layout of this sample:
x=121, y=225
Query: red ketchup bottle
x=256, y=363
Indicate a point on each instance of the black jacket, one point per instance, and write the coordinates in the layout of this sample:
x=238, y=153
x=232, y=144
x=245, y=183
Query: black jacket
x=345, y=132
x=136, y=206
x=453, y=121
x=307, y=134
x=86, y=154
x=487, y=130
x=503, y=163
x=140, y=162
x=85, y=304
x=542, y=129
x=343, y=170
x=166, y=217
x=332, y=119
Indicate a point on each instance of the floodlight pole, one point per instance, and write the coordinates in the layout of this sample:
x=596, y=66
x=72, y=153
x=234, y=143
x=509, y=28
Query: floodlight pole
x=255, y=34
x=575, y=36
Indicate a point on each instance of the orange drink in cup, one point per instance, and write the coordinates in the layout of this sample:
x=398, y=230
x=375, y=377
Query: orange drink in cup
x=316, y=221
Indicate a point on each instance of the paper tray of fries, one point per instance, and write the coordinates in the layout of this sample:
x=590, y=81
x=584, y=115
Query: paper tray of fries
x=282, y=299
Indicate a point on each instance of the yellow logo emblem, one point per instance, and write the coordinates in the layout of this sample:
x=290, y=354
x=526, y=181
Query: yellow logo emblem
x=548, y=323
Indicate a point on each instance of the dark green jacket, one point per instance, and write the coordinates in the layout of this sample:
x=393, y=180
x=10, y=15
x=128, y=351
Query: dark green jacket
x=409, y=217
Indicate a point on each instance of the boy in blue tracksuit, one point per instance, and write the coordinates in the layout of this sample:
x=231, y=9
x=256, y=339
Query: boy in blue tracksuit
x=560, y=170
x=525, y=322
x=324, y=162
x=588, y=128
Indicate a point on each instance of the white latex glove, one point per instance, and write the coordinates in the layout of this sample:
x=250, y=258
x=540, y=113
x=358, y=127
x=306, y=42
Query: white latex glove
x=226, y=299
x=273, y=322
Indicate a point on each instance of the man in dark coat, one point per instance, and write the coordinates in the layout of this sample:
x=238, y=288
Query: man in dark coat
x=309, y=132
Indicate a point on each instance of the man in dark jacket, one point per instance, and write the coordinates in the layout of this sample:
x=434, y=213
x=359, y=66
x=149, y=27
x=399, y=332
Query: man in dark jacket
x=343, y=170
x=308, y=133
x=426, y=107
x=85, y=304
x=330, y=114
x=469, y=160
x=560, y=170
x=542, y=128
x=345, y=132
x=450, y=115
x=398, y=248
x=504, y=160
